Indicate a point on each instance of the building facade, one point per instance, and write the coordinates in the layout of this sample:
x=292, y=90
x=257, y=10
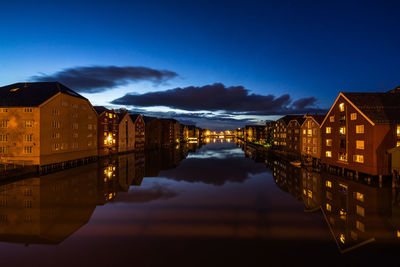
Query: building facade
x=153, y=132
x=139, y=139
x=108, y=125
x=126, y=133
x=293, y=135
x=311, y=139
x=45, y=123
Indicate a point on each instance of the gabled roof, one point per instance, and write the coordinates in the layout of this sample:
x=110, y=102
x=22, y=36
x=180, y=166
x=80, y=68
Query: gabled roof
x=100, y=109
x=134, y=117
x=317, y=118
x=380, y=108
x=286, y=119
x=32, y=94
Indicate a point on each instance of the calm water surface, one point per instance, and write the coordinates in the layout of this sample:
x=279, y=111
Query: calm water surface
x=219, y=204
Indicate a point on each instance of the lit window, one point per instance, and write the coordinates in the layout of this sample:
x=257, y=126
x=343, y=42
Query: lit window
x=304, y=131
x=353, y=116
x=360, y=144
x=342, y=238
x=341, y=107
x=342, y=130
x=343, y=214
x=328, y=154
x=328, y=130
x=359, y=128
x=358, y=158
x=110, y=115
x=328, y=142
x=398, y=143
x=28, y=137
x=360, y=211
x=359, y=196
x=332, y=118
x=309, y=193
x=398, y=130
x=309, y=131
x=342, y=156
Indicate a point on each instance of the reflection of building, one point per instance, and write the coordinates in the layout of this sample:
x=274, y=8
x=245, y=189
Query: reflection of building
x=45, y=123
x=312, y=189
x=358, y=131
x=47, y=209
x=356, y=213
x=107, y=186
x=288, y=178
x=108, y=123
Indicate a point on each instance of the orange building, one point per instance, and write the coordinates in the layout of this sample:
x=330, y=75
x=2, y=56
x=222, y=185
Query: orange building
x=359, y=130
x=45, y=123
x=108, y=123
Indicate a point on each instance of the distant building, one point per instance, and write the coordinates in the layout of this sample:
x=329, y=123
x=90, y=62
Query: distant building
x=311, y=139
x=45, y=123
x=126, y=133
x=153, y=132
x=108, y=124
x=293, y=135
x=358, y=131
x=280, y=131
x=139, y=140
x=171, y=132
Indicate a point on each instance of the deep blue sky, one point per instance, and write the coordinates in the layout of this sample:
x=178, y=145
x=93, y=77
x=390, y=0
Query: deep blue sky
x=301, y=48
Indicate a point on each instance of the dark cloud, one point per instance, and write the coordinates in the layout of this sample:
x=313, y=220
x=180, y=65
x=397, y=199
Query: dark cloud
x=218, y=97
x=100, y=78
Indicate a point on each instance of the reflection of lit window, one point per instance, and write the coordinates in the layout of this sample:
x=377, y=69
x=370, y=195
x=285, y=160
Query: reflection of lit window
x=360, y=196
x=328, y=207
x=328, y=183
x=342, y=238
x=360, y=226
x=328, y=154
x=360, y=210
x=328, y=130
x=304, y=192
x=343, y=188
x=309, y=194
x=343, y=214
x=341, y=107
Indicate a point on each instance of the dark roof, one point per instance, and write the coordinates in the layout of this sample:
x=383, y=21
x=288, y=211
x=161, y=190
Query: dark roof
x=300, y=120
x=318, y=118
x=380, y=108
x=134, y=116
x=100, y=109
x=148, y=119
x=32, y=94
x=288, y=118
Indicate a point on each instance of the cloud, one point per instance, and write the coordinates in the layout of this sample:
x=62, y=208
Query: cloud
x=218, y=97
x=96, y=79
x=156, y=191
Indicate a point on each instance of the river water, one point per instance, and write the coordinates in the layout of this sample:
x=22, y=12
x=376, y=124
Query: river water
x=218, y=204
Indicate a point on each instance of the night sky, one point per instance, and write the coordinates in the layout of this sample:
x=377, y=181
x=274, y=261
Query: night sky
x=219, y=64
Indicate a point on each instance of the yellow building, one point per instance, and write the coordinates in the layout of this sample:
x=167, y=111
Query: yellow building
x=45, y=123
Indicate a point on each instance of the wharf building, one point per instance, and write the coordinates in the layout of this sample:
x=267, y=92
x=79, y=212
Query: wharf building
x=46, y=124
x=108, y=124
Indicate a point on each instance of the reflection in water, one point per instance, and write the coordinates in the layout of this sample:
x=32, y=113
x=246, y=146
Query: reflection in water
x=169, y=199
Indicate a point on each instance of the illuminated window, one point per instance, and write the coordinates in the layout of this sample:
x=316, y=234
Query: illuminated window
x=360, y=226
x=342, y=130
x=328, y=142
x=398, y=130
x=328, y=154
x=342, y=238
x=359, y=128
x=309, y=193
x=328, y=207
x=332, y=118
x=28, y=124
x=358, y=158
x=110, y=115
x=353, y=116
x=309, y=131
x=343, y=156
x=328, y=130
x=359, y=196
x=343, y=214
x=341, y=107
x=328, y=183
x=304, y=131
x=398, y=143
x=360, y=144
x=360, y=211
x=27, y=109
x=56, y=147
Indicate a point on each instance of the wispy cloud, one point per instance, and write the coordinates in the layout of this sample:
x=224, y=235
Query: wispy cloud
x=95, y=79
